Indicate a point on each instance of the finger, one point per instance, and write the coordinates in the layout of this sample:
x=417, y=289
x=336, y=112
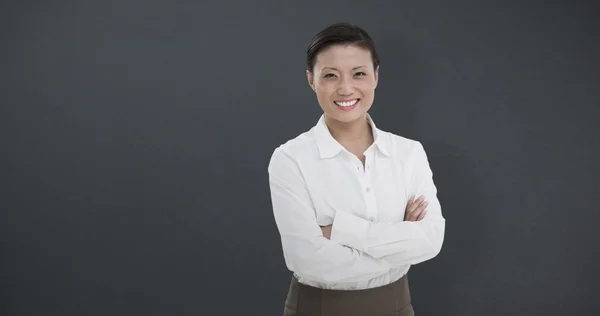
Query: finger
x=412, y=216
x=418, y=211
x=422, y=215
x=416, y=204
x=421, y=204
x=413, y=204
x=409, y=214
x=415, y=215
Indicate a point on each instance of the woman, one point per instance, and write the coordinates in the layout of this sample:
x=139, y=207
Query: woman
x=355, y=206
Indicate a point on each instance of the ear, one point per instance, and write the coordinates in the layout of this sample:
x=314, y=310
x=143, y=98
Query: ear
x=376, y=76
x=311, y=79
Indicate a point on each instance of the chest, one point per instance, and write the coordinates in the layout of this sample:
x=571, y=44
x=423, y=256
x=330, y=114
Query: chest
x=373, y=189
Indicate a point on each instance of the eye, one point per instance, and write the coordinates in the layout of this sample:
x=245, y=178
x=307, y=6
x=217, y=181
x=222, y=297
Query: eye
x=328, y=76
x=360, y=73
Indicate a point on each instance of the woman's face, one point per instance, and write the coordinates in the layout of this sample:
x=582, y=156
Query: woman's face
x=344, y=80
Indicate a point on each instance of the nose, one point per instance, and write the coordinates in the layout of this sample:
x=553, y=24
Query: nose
x=345, y=87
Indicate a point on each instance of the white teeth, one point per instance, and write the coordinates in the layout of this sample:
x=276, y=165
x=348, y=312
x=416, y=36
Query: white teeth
x=346, y=103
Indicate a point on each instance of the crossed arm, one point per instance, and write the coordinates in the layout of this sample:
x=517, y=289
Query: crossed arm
x=356, y=249
x=415, y=211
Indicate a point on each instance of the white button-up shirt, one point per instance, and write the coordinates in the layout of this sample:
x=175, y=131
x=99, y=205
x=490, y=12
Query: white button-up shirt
x=314, y=182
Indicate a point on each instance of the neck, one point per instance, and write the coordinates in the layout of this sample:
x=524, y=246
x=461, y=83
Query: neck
x=343, y=132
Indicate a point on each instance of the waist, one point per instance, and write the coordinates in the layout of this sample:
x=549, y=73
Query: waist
x=309, y=300
x=382, y=280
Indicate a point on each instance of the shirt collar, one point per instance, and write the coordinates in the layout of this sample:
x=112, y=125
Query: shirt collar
x=329, y=147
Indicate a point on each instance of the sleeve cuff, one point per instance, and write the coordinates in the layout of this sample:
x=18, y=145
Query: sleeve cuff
x=350, y=230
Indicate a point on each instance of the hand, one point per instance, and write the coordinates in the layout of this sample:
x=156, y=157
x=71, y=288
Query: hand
x=326, y=231
x=415, y=209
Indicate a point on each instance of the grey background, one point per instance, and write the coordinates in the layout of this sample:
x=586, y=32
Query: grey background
x=135, y=139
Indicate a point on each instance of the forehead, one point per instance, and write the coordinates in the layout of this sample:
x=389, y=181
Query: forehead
x=343, y=56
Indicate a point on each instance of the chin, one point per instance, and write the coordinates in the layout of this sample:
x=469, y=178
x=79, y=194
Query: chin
x=347, y=117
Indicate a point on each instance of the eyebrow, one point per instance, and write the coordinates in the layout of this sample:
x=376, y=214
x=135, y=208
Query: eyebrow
x=332, y=68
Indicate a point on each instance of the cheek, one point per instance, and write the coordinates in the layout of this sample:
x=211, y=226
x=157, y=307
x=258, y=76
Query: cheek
x=324, y=91
x=367, y=94
x=323, y=97
x=367, y=84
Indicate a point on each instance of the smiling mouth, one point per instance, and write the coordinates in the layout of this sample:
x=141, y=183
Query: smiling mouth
x=346, y=104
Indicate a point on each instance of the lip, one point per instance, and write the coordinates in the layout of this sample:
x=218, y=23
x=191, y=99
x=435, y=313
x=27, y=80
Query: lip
x=346, y=100
x=347, y=108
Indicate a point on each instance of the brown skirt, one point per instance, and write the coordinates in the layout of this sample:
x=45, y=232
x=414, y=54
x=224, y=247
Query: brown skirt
x=388, y=300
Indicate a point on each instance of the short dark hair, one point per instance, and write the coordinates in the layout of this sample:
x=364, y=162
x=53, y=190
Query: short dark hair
x=340, y=33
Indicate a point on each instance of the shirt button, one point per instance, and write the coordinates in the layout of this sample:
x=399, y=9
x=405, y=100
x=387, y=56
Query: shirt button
x=368, y=189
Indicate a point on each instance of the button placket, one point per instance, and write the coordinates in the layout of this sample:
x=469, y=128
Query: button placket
x=370, y=202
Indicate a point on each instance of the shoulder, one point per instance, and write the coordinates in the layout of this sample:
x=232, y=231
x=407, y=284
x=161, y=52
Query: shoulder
x=403, y=147
x=294, y=150
x=409, y=153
